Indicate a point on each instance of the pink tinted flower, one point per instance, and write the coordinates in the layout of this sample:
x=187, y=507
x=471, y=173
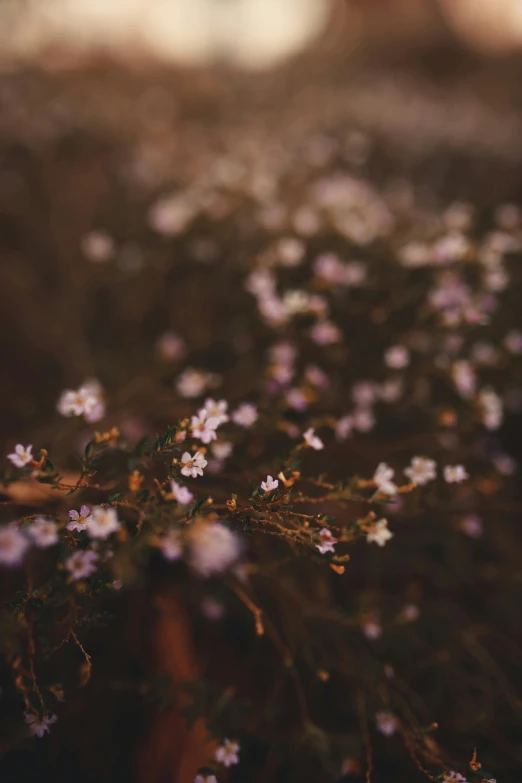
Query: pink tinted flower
x=79, y=519
x=472, y=526
x=397, y=357
x=228, y=753
x=171, y=545
x=39, y=727
x=82, y=564
x=297, y=399
x=180, y=493
x=329, y=268
x=21, y=456
x=43, y=532
x=204, y=428
x=327, y=541
x=270, y=484
x=211, y=608
x=364, y=393
x=316, y=376
x=170, y=347
x=386, y=723
x=354, y=273
x=325, y=333
x=245, y=415
x=13, y=546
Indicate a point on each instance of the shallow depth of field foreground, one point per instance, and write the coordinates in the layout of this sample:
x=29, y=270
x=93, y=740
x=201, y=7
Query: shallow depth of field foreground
x=260, y=410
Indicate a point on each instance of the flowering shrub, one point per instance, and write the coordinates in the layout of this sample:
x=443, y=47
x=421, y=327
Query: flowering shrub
x=327, y=490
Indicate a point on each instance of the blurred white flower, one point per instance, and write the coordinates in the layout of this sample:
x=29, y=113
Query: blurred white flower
x=103, y=522
x=454, y=474
x=43, y=532
x=313, y=440
x=228, y=753
x=383, y=479
x=82, y=564
x=379, y=533
x=421, y=470
x=213, y=548
x=39, y=727
x=13, y=545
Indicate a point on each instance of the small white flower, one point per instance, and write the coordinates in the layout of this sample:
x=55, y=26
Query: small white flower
x=327, y=541
x=82, y=564
x=383, y=479
x=228, y=753
x=21, y=456
x=79, y=519
x=379, y=533
x=204, y=428
x=421, y=470
x=454, y=474
x=213, y=548
x=103, y=522
x=269, y=484
x=39, y=727
x=193, y=464
x=43, y=532
x=312, y=440
x=245, y=415
x=171, y=545
x=397, y=357
x=180, y=493
x=13, y=545
x=386, y=723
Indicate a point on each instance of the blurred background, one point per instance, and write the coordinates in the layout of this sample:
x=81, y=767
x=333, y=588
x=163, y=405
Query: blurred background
x=230, y=107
